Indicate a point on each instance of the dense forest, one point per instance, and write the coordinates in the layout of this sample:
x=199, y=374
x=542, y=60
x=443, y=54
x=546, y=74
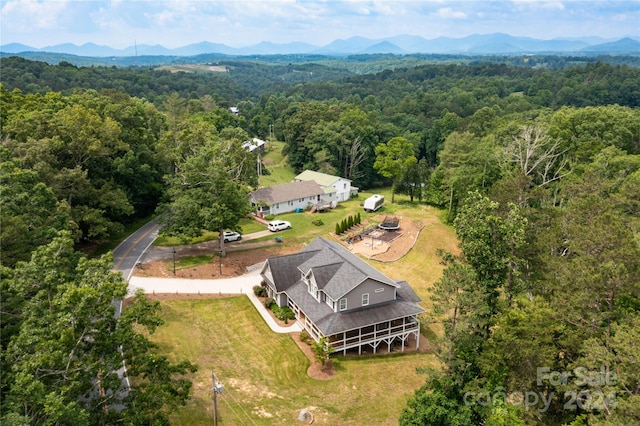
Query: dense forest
x=537, y=168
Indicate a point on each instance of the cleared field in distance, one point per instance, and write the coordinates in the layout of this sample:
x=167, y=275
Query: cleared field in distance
x=193, y=68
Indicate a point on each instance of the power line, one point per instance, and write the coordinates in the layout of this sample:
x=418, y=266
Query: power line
x=234, y=412
x=238, y=404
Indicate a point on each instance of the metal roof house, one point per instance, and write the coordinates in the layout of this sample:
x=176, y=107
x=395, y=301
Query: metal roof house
x=285, y=198
x=335, y=294
x=335, y=188
x=254, y=144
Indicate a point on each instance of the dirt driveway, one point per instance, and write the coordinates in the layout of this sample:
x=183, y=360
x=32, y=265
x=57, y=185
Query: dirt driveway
x=158, y=261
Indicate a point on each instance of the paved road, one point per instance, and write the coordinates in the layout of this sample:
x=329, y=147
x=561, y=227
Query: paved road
x=130, y=251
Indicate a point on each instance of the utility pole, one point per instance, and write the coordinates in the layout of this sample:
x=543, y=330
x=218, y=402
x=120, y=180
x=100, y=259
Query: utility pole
x=215, y=399
x=173, y=251
x=216, y=387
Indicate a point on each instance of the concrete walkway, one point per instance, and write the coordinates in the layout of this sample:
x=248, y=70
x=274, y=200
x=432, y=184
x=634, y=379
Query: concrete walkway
x=237, y=285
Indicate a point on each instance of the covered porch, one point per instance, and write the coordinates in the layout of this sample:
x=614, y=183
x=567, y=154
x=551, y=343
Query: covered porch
x=400, y=331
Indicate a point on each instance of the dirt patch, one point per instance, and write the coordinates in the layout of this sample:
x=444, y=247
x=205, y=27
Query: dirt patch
x=386, y=246
x=234, y=264
x=316, y=370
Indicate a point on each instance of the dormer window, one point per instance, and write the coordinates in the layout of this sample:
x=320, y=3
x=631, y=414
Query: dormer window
x=343, y=304
x=312, y=287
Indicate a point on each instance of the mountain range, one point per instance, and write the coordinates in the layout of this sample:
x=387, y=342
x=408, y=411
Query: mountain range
x=490, y=44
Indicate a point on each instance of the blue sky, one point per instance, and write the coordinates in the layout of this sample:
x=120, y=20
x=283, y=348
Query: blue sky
x=238, y=23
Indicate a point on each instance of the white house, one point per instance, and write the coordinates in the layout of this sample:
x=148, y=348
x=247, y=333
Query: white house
x=254, y=144
x=285, y=198
x=335, y=188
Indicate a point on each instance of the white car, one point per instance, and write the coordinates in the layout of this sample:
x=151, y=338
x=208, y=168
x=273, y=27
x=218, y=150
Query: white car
x=278, y=225
x=231, y=236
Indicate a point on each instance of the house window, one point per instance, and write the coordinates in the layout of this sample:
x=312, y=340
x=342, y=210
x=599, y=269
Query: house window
x=344, y=186
x=365, y=299
x=379, y=290
x=343, y=304
x=329, y=302
x=301, y=200
x=313, y=290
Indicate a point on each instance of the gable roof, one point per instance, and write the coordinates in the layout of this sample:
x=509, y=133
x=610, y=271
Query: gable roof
x=286, y=192
x=283, y=271
x=338, y=271
x=323, y=179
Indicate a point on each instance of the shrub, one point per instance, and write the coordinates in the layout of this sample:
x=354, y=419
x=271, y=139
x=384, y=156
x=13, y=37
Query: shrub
x=269, y=217
x=283, y=314
x=318, y=222
x=322, y=350
x=305, y=337
x=259, y=291
x=268, y=302
x=338, y=231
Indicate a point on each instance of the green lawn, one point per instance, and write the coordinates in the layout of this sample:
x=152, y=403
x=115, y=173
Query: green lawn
x=247, y=226
x=279, y=171
x=264, y=374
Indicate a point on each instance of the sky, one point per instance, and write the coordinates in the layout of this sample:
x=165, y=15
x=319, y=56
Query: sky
x=240, y=23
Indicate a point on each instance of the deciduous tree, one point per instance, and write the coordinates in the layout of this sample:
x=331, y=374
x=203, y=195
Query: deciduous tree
x=393, y=159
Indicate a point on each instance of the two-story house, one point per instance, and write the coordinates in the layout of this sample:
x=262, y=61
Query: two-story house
x=286, y=197
x=335, y=188
x=337, y=295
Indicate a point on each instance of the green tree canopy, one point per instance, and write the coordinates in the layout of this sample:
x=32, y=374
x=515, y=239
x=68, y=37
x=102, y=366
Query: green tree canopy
x=62, y=364
x=393, y=159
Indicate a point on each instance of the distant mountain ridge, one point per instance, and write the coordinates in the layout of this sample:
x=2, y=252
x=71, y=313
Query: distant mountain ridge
x=497, y=43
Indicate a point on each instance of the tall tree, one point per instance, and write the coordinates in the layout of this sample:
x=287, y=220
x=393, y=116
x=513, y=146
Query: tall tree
x=489, y=241
x=210, y=189
x=535, y=154
x=393, y=159
x=31, y=213
x=467, y=163
x=62, y=365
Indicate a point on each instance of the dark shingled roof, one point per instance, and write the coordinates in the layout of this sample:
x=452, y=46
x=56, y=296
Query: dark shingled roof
x=347, y=270
x=336, y=271
x=286, y=192
x=284, y=269
x=330, y=322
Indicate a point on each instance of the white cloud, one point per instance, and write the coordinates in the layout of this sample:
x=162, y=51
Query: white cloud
x=174, y=23
x=448, y=13
x=541, y=4
x=31, y=15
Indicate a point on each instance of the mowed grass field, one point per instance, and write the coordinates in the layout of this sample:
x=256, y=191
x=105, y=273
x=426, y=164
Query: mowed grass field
x=264, y=374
